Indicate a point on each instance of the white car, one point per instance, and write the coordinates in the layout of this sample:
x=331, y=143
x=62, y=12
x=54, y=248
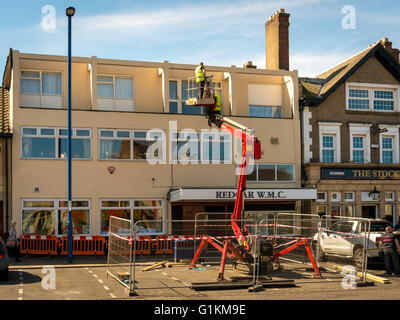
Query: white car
x=346, y=238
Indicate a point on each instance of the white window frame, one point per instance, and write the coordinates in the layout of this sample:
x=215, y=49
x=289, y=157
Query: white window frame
x=114, y=99
x=40, y=81
x=332, y=129
x=180, y=100
x=131, y=208
x=131, y=138
x=56, y=207
x=56, y=136
x=361, y=130
x=352, y=198
x=371, y=87
x=325, y=196
x=393, y=132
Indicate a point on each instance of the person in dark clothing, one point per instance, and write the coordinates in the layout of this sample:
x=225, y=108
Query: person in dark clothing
x=391, y=248
x=12, y=241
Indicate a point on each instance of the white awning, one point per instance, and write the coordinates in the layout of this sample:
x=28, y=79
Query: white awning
x=183, y=194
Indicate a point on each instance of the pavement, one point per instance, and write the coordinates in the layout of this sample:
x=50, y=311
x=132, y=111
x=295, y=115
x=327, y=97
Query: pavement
x=86, y=278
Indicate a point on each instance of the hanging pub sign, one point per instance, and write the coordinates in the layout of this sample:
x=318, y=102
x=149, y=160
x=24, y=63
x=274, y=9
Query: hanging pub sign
x=360, y=173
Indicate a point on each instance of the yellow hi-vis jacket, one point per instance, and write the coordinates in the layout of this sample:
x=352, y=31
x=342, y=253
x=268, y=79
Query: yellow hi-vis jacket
x=199, y=74
x=217, y=106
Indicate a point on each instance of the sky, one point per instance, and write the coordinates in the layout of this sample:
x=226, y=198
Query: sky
x=220, y=33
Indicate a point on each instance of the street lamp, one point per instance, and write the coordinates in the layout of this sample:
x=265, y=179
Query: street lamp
x=374, y=194
x=70, y=11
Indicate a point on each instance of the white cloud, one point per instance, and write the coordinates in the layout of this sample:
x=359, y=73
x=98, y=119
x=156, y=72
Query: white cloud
x=312, y=64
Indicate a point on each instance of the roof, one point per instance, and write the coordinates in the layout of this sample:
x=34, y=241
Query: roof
x=5, y=129
x=315, y=90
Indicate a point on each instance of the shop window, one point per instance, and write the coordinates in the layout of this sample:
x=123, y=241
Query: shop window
x=390, y=214
x=50, y=217
x=348, y=211
x=146, y=215
x=335, y=211
x=51, y=143
x=321, y=210
x=131, y=145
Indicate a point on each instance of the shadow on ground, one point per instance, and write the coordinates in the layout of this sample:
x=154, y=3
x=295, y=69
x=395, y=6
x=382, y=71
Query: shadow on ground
x=13, y=278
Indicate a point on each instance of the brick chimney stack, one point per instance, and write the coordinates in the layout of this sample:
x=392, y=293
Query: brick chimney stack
x=277, y=40
x=388, y=46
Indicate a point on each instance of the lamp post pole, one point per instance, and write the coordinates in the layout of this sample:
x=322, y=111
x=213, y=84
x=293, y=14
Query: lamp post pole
x=70, y=11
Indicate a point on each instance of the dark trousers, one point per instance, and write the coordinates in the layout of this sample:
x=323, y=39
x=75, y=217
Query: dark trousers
x=392, y=257
x=201, y=85
x=14, y=251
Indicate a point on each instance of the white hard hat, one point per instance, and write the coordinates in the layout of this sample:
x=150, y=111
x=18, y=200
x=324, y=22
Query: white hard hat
x=13, y=221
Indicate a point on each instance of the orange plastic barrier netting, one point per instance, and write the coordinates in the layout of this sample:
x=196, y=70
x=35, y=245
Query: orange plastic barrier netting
x=84, y=245
x=35, y=244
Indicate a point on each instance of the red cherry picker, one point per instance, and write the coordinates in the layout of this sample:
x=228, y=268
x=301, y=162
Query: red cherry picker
x=243, y=250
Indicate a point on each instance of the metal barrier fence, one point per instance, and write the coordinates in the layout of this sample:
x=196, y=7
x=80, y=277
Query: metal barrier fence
x=281, y=248
x=198, y=246
x=345, y=244
x=120, y=258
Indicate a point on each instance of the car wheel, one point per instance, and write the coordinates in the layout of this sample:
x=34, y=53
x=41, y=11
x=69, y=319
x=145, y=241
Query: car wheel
x=358, y=256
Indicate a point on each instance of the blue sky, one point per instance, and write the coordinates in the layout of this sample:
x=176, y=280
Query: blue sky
x=218, y=32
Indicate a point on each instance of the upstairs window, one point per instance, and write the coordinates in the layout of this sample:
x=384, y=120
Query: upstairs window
x=115, y=93
x=387, y=149
x=328, y=148
x=363, y=97
x=40, y=82
x=265, y=111
x=51, y=143
x=358, y=149
x=272, y=173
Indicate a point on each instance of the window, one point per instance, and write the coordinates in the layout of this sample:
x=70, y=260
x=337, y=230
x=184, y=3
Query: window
x=178, y=94
x=115, y=92
x=389, y=144
x=321, y=196
x=389, y=196
x=272, y=173
x=349, y=196
x=358, y=99
x=265, y=111
x=335, y=211
x=364, y=97
x=348, y=211
x=136, y=211
x=360, y=142
x=358, y=149
x=130, y=144
x=387, y=149
x=41, y=82
x=390, y=214
x=51, y=143
x=321, y=210
x=185, y=147
x=50, y=217
x=216, y=147
x=329, y=141
x=328, y=149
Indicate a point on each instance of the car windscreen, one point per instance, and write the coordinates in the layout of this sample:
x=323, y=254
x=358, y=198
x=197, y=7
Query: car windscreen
x=379, y=226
